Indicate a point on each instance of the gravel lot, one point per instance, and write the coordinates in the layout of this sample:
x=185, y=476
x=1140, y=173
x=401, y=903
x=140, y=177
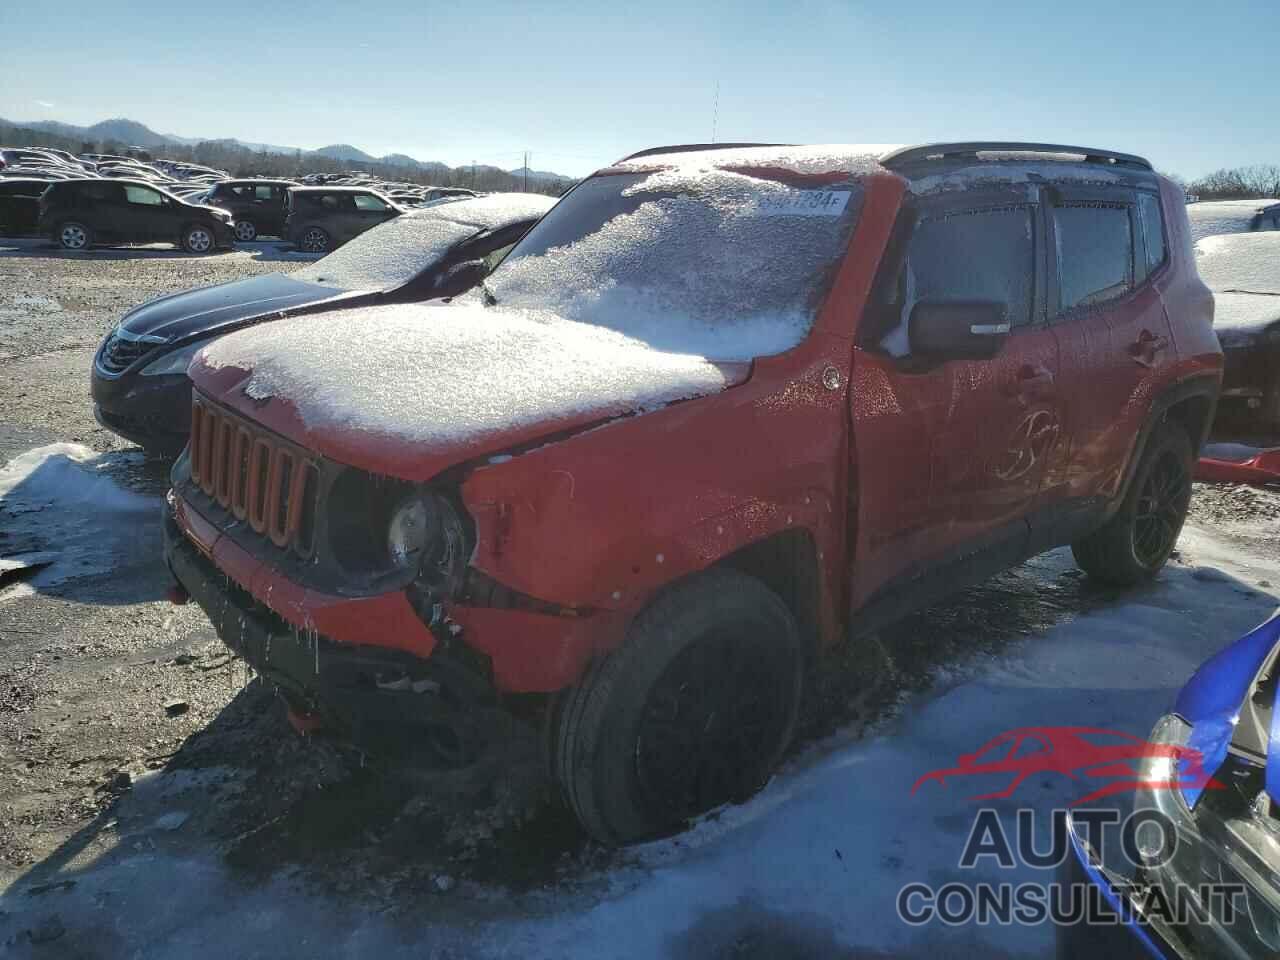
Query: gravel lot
x=94, y=763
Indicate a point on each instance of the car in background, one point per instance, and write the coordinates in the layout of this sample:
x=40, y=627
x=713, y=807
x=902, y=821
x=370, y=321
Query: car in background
x=259, y=206
x=139, y=381
x=318, y=219
x=1227, y=828
x=20, y=206
x=1243, y=270
x=79, y=213
x=1212, y=217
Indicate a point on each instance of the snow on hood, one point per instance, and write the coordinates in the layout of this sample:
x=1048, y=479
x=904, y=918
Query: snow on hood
x=1216, y=217
x=1243, y=270
x=455, y=375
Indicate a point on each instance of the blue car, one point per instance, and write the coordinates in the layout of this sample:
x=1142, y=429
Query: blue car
x=1224, y=864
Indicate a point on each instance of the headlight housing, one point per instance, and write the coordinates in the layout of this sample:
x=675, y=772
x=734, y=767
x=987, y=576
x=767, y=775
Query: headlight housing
x=175, y=361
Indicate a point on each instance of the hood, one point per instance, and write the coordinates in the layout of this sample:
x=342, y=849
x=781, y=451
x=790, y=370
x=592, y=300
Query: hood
x=409, y=390
x=1213, y=698
x=182, y=315
x=1239, y=318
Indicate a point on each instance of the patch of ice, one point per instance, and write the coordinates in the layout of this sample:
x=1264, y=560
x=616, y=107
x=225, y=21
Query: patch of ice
x=459, y=372
x=57, y=499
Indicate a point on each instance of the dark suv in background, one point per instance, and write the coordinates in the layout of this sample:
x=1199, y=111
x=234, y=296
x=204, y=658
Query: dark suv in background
x=258, y=206
x=79, y=213
x=321, y=218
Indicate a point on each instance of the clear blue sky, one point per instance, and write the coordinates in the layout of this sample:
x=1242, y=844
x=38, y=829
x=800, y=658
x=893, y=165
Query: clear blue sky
x=1194, y=86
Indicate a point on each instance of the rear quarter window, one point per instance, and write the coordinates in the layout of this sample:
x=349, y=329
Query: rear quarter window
x=1094, y=243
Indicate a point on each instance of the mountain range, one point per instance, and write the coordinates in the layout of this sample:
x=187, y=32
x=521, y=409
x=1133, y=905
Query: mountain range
x=135, y=134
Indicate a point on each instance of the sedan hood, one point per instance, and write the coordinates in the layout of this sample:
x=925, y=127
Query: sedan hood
x=409, y=390
x=1239, y=318
x=208, y=309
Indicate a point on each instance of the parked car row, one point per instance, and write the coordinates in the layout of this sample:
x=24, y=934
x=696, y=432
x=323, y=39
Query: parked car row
x=260, y=206
x=406, y=516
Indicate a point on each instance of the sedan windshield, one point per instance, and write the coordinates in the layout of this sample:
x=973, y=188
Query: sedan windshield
x=714, y=263
x=389, y=255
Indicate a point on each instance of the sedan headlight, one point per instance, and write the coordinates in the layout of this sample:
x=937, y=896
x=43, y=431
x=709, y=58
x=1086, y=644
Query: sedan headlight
x=408, y=533
x=175, y=361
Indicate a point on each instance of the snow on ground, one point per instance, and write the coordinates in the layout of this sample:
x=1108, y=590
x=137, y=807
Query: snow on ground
x=809, y=868
x=64, y=517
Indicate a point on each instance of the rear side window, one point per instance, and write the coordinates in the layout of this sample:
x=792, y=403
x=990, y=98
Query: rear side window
x=263, y=192
x=1095, y=253
x=1152, y=230
x=365, y=201
x=143, y=196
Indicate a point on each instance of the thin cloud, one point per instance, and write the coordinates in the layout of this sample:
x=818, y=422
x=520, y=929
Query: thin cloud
x=46, y=104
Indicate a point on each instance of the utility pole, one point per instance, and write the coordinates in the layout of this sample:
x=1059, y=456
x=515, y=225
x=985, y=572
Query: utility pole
x=526, y=171
x=473, y=174
x=715, y=113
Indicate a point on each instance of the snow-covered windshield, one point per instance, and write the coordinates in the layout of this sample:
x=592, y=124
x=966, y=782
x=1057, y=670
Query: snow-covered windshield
x=389, y=255
x=707, y=262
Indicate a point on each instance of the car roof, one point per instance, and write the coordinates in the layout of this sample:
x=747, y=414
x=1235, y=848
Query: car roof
x=337, y=188
x=962, y=163
x=243, y=181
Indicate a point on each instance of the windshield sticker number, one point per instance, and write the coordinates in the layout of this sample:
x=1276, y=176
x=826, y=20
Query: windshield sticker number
x=803, y=203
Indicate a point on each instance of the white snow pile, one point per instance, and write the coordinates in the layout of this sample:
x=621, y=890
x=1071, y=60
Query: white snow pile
x=1215, y=217
x=447, y=374
x=701, y=260
x=60, y=511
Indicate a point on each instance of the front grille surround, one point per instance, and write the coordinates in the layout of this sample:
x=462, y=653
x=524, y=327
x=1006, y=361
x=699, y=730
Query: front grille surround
x=255, y=476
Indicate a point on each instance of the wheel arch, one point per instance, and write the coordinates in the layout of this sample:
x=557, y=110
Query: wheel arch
x=787, y=563
x=1190, y=403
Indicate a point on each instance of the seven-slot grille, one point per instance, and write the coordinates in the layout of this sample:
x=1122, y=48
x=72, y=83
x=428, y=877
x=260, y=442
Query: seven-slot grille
x=255, y=476
x=119, y=353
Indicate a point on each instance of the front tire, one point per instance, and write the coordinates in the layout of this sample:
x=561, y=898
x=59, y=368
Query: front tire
x=1136, y=542
x=246, y=231
x=197, y=239
x=694, y=710
x=75, y=236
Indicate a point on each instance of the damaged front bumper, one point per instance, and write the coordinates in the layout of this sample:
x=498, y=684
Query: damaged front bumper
x=441, y=709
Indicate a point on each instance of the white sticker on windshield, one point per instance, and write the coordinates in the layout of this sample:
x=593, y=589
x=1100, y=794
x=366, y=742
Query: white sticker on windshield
x=802, y=203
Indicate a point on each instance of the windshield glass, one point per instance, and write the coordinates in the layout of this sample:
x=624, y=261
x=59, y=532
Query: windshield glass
x=389, y=255
x=707, y=262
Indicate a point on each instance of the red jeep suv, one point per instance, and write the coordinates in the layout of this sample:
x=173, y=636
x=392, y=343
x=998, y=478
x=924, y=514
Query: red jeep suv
x=721, y=407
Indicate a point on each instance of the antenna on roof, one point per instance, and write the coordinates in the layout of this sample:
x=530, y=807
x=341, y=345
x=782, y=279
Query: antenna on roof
x=715, y=113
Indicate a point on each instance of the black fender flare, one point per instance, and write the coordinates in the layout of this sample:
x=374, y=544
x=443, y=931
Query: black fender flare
x=1201, y=386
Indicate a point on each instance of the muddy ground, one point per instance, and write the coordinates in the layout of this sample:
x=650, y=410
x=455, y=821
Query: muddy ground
x=124, y=724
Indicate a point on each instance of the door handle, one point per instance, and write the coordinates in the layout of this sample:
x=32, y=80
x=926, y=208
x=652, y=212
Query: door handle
x=1143, y=350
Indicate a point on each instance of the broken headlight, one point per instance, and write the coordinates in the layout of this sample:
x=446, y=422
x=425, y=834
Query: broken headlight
x=408, y=533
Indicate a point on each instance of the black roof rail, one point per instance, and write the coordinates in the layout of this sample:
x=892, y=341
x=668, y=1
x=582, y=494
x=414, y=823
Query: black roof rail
x=907, y=155
x=694, y=148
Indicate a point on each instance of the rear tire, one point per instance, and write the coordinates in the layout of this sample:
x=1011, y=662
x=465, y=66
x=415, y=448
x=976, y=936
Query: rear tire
x=197, y=239
x=73, y=235
x=314, y=240
x=246, y=231
x=693, y=710
x=1136, y=542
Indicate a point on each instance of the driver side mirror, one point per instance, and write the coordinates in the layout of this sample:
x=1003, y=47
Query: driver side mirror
x=974, y=330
